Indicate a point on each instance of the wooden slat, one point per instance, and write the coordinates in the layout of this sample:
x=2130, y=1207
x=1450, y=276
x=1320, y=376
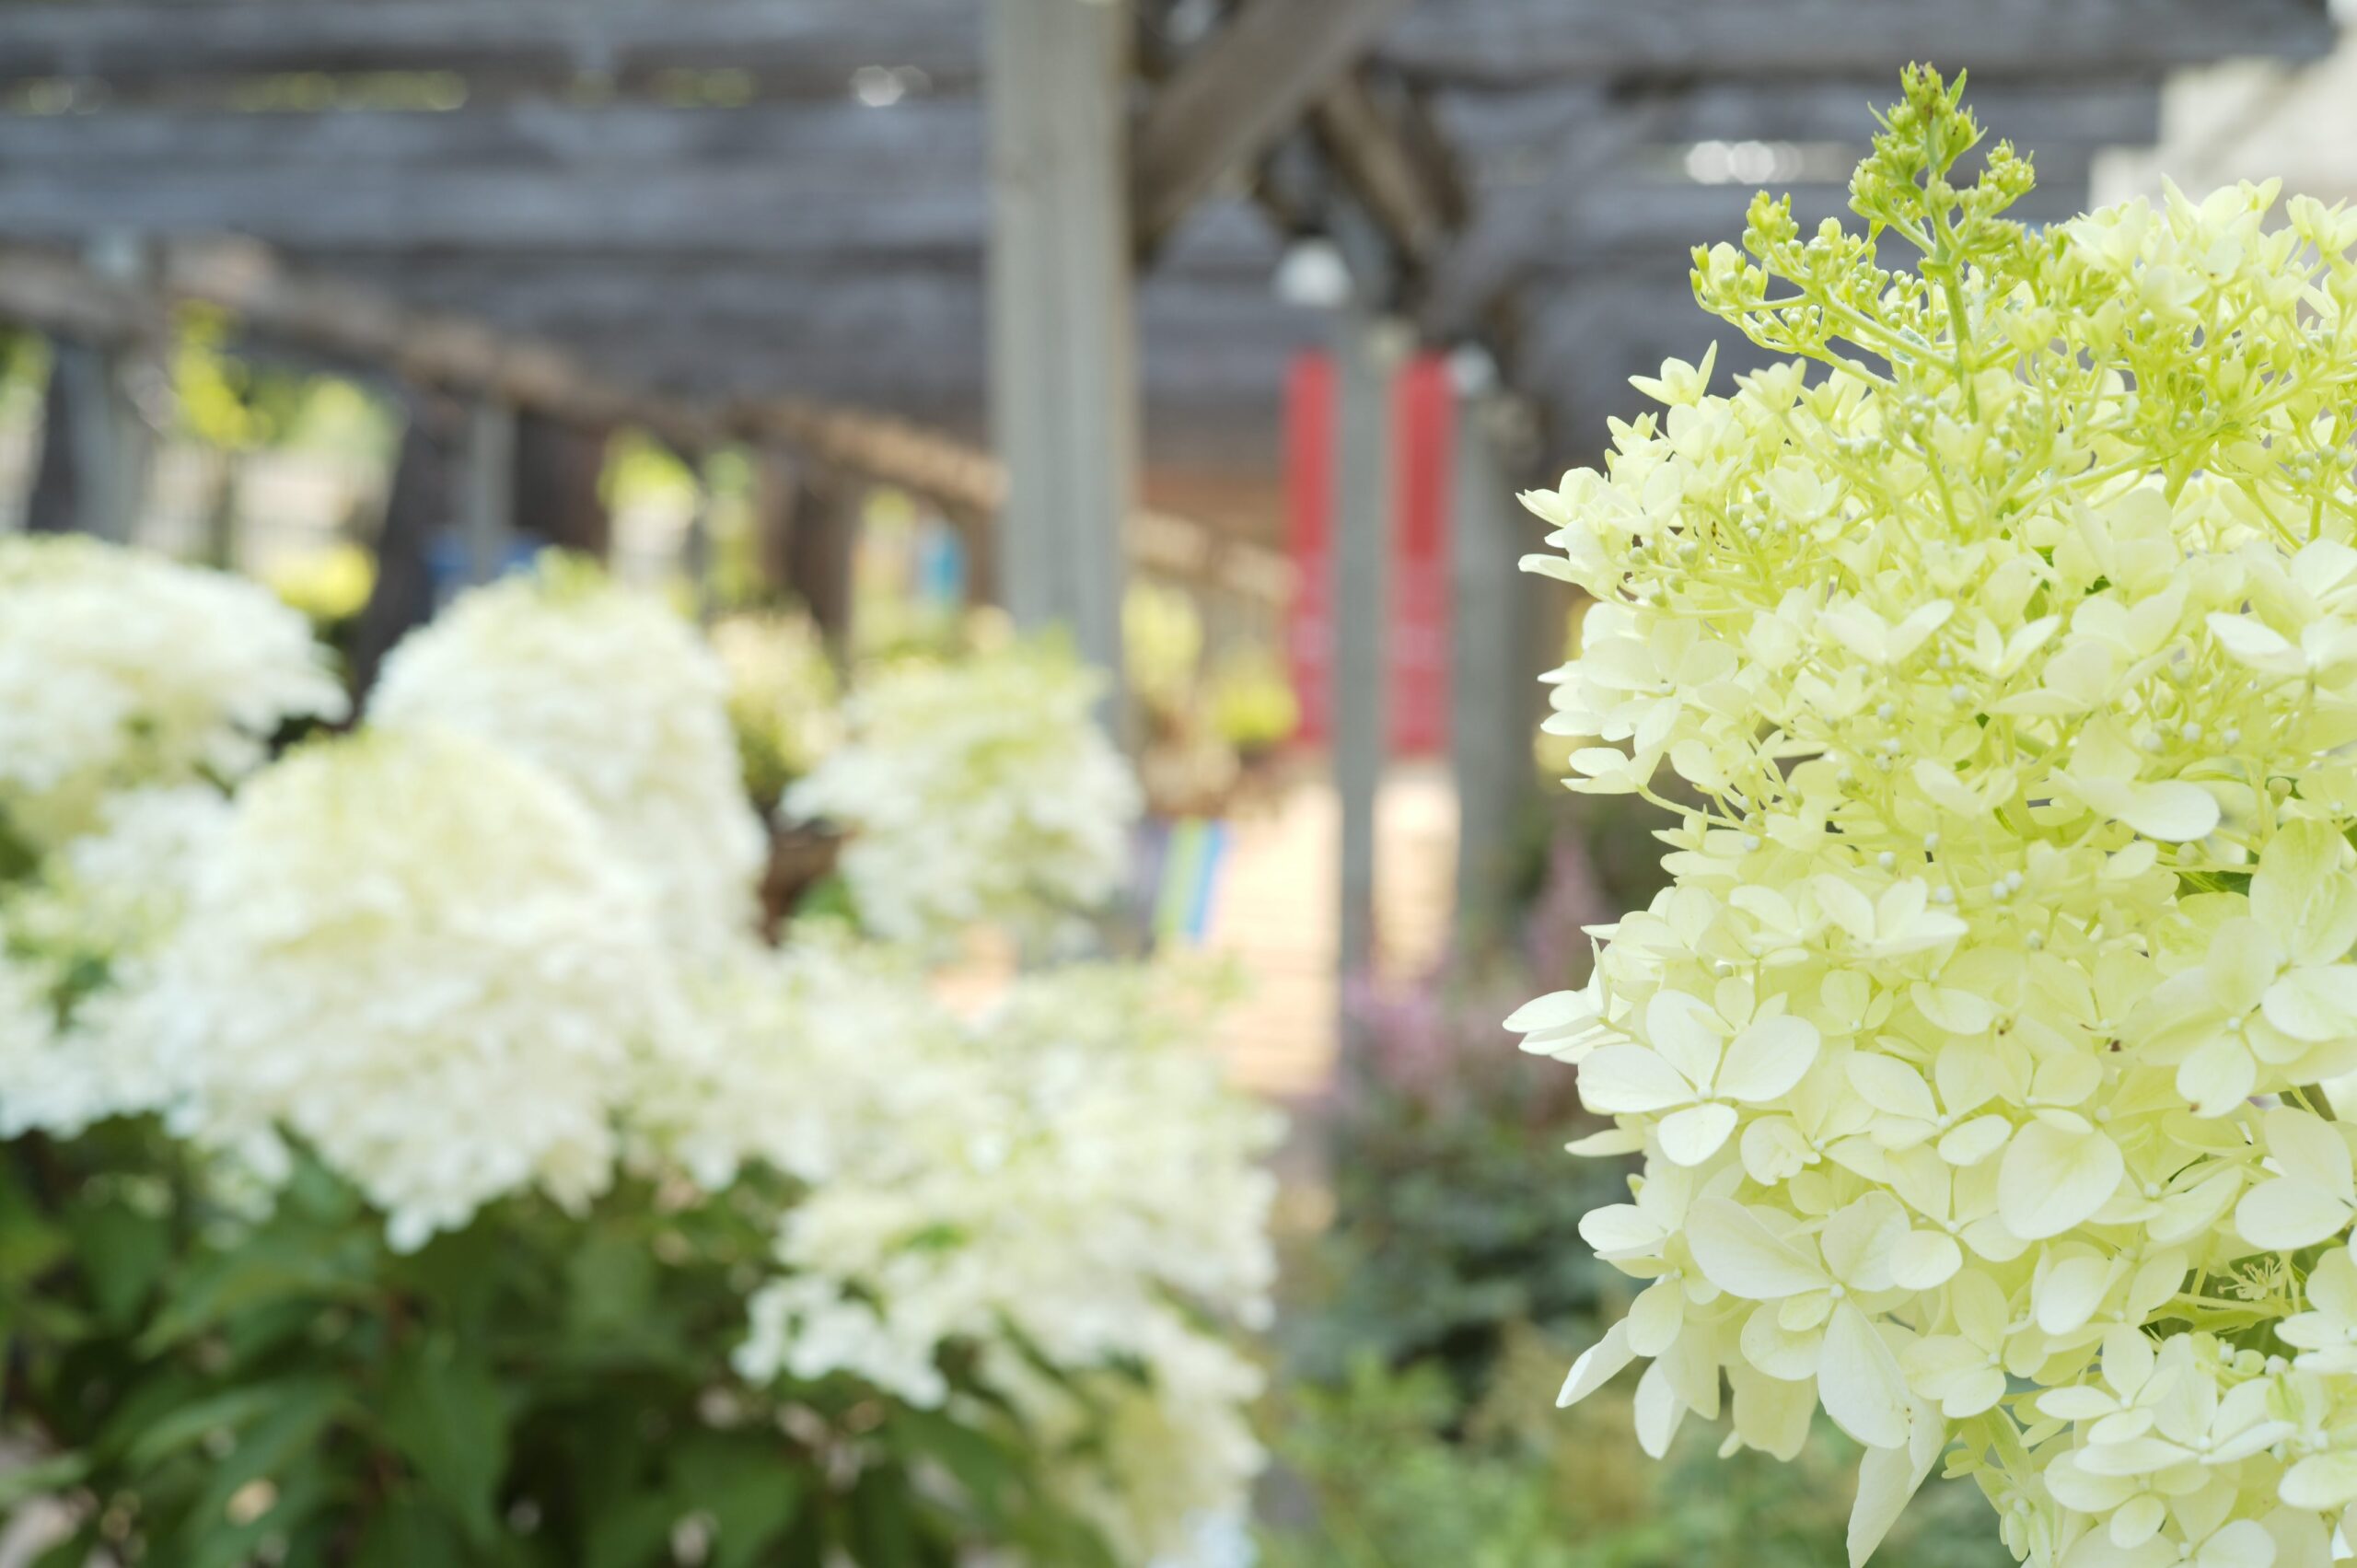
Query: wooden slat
x=710, y=212
x=814, y=45
x=1230, y=100
x=1513, y=42
x=836, y=144
x=1509, y=135
x=810, y=45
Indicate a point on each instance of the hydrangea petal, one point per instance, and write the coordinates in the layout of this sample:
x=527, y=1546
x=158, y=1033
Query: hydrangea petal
x=2051, y=1180
x=1596, y=1366
x=1621, y=1080
x=1766, y=1060
x=1860, y=1382
x=1743, y=1256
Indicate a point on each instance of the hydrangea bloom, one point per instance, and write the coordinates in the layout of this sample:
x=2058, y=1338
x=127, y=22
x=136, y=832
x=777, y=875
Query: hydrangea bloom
x=783, y=696
x=616, y=695
x=2001, y=637
x=415, y=952
x=76, y=946
x=1064, y=1178
x=982, y=792
x=120, y=669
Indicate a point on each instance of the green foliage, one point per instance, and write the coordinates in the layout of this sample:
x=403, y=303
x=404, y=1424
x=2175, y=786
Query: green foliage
x=1402, y=1472
x=210, y=1384
x=1450, y=1220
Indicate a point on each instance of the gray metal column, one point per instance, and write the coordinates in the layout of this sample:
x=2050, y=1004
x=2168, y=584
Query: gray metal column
x=1491, y=681
x=1063, y=352
x=1367, y=354
x=488, y=505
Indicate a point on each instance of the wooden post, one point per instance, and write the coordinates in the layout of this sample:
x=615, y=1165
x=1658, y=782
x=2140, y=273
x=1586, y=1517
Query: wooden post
x=419, y=505
x=1064, y=388
x=95, y=445
x=487, y=497
x=1367, y=354
x=819, y=549
x=558, y=467
x=1489, y=701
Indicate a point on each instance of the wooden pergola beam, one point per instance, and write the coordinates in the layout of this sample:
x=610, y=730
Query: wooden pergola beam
x=1393, y=160
x=1496, y=43
x=1230, y=100
x=813, y=45
x=453, y=360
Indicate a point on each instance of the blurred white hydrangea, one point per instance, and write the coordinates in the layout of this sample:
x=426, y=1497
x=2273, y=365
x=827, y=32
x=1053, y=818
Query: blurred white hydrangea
x=612, y=692
x=783, y=1043
x=784, y=699
x=979, y=792
x=415, y=952
x=76, y=944
x=1162, y=1464
x=1065, y=1177
x=118, y=668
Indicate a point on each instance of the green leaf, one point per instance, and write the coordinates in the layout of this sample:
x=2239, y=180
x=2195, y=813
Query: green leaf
x=264, y=1270
x=631, y=1530
x=41, y=1478
x=216, y=1542
x=407, y=1534
x=30, y=1243
x=749, y=1487
x=445, y=1413
x=269, y=1449
x=123, y=1254
x=611, y=1290
x=230, y=1410
x=883, y=1520
x=987, y=1470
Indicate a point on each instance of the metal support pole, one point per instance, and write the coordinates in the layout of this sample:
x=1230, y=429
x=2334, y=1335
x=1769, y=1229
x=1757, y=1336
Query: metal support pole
x=1368, y=352
x=488, y=516
x=1490, y=733
x=1064, y=389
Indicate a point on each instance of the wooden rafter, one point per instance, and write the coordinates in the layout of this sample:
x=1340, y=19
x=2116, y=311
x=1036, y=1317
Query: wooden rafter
x=811, y=46
x=1232, y=98
x=355, y=324
x=1495, y=43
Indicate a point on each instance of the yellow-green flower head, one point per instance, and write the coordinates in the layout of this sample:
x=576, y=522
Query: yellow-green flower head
x=1979, y=1058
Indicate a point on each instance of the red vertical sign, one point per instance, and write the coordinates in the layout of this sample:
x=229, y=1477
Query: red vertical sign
x=1309, y=530
x=1417, y=635
x=1424, y=404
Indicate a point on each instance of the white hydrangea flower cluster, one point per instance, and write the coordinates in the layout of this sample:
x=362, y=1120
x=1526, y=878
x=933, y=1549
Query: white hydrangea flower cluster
x=1067, y=1178
x=983, y=792
x=613, y=693
x=120, y=669
x=447, y=957
x=418, y=954
x=784, y=698
x=78, y=943
x=1975, y=1055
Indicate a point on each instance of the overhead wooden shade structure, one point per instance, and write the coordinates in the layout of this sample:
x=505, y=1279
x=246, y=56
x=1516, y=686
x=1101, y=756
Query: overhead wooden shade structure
x=788, y=204
x=696, y=191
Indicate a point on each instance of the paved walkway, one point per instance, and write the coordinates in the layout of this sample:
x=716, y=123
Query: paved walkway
x=1274, y=910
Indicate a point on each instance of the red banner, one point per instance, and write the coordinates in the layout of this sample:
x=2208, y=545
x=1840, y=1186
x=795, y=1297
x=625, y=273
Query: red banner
x=1417, y=639
x=1309, y=540
x=1424, y=404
